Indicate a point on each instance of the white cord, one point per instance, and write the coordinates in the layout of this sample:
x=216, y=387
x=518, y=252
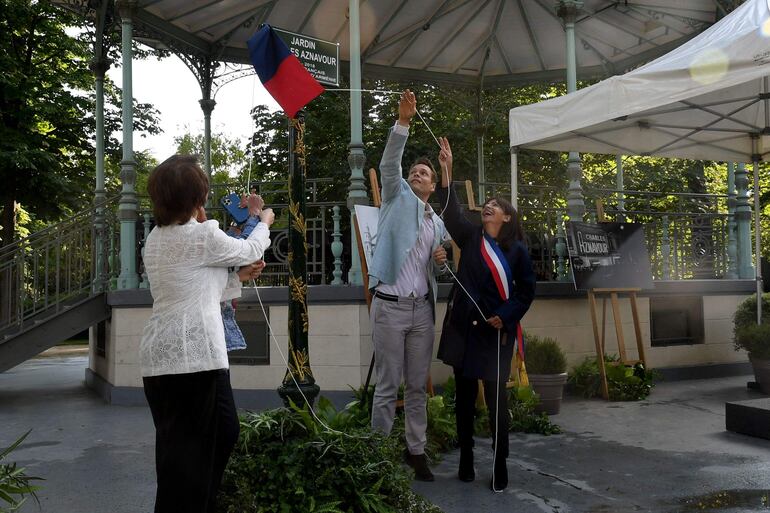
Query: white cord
x=364, y=91
x=285, y=361
x=497, y=383
x=497, y=416
x=426, y=126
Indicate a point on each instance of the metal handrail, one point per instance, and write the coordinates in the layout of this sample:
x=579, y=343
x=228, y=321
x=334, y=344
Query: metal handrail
x=43, y=273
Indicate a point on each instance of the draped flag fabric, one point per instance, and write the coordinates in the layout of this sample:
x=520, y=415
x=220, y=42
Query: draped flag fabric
x=279, y=70
x=503, y=277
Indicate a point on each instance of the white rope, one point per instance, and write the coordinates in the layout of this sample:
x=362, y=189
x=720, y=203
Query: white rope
x=381, y=91
x=497, y=382
x=497, y=416
x=253, y=131
x=286, y=362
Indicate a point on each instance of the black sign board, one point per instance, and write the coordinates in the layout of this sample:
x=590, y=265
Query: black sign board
x=321, y=58
x=608, y=255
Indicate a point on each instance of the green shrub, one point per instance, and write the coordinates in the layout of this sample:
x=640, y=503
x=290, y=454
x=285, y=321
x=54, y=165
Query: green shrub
x=544, y=355
x=746, y=313
x=754, y=339
x=14, y=482
x=623, y=383
x=285, y=461
x=521, y=412
x=521, y=407
x=747, y=335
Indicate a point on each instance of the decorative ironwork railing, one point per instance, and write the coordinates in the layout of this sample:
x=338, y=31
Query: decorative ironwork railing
x=686, y=233
x=58, y=265
x=320, y=227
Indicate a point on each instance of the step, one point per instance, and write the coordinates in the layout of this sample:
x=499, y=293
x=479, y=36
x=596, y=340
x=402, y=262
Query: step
x=750, y=417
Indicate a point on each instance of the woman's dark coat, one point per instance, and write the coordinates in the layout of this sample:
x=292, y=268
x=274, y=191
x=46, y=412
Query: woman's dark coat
x=467, y=341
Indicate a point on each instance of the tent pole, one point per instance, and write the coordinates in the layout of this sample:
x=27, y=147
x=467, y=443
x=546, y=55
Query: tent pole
x=757, y=239
x=515, y=177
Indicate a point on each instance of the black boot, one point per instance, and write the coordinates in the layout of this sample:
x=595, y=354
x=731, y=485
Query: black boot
x=420, y=465
x=466, y=472
x=500, y=480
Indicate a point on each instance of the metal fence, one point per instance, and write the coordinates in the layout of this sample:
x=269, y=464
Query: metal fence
x=57, y=266
x=687, y=237
x=320, y=227
x=686, y=233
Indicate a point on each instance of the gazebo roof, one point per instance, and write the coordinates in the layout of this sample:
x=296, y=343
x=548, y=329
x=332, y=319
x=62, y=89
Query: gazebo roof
x=440, y=41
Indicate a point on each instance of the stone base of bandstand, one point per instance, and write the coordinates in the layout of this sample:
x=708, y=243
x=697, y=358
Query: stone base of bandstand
x=341, y=347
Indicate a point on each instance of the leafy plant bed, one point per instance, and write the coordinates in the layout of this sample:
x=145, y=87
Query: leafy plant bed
x=623, y=383
x=286, y=461
x=15, y=484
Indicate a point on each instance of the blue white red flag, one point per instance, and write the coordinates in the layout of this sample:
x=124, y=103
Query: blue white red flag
x=503, y=277
x=279, y=70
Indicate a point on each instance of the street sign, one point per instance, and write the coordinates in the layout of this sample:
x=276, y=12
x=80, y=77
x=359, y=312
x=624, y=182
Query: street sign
x=321, y=58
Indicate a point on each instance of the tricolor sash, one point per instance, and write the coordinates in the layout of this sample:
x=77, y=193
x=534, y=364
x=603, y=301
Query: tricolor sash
x=503, y=277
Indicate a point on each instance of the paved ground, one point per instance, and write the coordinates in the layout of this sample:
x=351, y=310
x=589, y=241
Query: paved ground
x=667, y=454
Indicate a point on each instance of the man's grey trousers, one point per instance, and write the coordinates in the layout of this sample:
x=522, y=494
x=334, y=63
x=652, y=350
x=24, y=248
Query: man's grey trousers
x=403, y=333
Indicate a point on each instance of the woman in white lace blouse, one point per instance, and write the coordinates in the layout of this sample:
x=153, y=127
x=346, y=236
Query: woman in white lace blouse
x=182, y=354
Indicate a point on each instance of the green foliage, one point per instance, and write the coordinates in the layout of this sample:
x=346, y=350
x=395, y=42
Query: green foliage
x=286, y=461
x=755, y=339
x=47, y=125
x=747, y=335
x=15, y=484
x=521, y=411
x=544, y=355
x=623, y=383
x=521, y=406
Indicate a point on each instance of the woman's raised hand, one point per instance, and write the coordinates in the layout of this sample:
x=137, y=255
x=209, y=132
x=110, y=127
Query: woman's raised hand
x=445, y=161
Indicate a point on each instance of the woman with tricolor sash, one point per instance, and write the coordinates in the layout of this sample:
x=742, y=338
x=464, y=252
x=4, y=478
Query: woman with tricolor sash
x=495, y=287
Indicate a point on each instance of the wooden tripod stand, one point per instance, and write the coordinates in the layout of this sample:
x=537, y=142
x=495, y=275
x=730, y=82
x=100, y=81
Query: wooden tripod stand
x=599, y=338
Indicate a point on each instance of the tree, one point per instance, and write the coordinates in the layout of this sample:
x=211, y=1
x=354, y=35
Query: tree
x=47, y=125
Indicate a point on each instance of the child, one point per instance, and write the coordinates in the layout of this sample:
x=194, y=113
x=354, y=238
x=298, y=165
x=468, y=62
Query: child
x=233, y=336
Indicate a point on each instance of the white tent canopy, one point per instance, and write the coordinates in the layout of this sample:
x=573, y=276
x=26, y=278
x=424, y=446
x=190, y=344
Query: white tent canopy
x=703, y=100
x=709, y=99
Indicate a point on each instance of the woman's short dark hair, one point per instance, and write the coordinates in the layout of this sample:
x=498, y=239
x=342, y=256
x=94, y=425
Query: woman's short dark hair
x=425, y=161
x=177, y=187
x=512, y=230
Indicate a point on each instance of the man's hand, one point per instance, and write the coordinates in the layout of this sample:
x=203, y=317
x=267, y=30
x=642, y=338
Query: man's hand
x=407, y=108
x=496, y=322
x=267, y=216
x=251, y=271
x=439, y=256
x=445, y=161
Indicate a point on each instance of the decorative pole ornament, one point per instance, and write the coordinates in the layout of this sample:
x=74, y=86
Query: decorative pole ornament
x=293, y=87
x=299, y=376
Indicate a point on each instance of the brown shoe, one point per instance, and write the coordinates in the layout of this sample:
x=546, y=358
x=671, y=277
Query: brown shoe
x=420, y=465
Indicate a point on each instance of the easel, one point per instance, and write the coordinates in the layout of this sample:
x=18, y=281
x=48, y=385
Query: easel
x=612, y=293
x=377, y=201
x=600, y=339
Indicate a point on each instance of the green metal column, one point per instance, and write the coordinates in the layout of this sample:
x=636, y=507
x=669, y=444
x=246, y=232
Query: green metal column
x=732, y=243
x=299, y=372
x=743, y=220
x=207, y=106
x=127, y=210
x=356, y=158
x=99, y=65
x=568, y=11
x=620, y=185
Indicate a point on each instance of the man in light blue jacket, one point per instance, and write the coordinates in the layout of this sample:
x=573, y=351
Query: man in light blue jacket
x=405, y=261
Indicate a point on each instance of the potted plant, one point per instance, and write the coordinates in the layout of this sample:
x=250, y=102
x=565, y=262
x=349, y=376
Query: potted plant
x=755, y=339
x=547, y=371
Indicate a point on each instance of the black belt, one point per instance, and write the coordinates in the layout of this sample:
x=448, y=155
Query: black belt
x=391, y=297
